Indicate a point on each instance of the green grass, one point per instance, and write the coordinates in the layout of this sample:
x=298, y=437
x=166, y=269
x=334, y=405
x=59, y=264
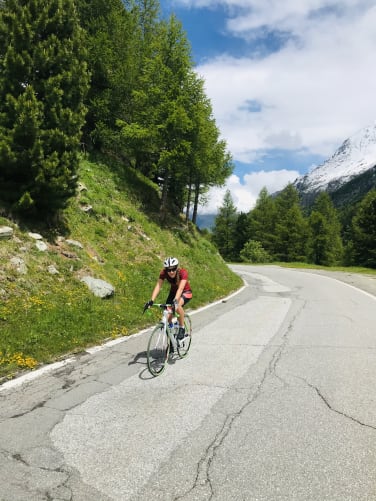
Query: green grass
x=348, y=269
x=44, y=317
x=308, y=266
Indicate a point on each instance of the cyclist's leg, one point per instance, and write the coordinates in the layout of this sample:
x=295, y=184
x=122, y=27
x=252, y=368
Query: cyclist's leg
x=185, y=298
x=169, y=300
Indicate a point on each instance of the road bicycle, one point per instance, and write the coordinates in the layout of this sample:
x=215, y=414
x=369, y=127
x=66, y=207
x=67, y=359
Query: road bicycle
x=163, y=340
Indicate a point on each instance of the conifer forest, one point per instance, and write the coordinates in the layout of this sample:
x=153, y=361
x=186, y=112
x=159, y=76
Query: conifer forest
x=114, y=77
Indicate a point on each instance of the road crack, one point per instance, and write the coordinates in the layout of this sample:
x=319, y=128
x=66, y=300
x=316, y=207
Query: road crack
x=333, y=409
x=202, y=478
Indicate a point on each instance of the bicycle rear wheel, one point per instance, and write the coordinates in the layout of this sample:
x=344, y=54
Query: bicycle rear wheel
x=183, y=345
x=157, y=351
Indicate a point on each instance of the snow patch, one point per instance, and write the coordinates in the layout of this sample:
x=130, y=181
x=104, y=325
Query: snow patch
x=356, y=155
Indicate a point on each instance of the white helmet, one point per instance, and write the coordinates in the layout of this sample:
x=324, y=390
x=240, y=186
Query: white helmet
x=170, y=262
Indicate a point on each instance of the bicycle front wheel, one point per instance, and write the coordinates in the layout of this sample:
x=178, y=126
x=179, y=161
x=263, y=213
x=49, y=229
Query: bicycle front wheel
x=184, y=344
x=158, y=350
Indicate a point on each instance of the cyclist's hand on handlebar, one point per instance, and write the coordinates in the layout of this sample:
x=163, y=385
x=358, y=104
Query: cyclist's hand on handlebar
x=148, y=304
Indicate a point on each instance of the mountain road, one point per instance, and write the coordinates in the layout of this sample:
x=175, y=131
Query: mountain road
x=275, y=402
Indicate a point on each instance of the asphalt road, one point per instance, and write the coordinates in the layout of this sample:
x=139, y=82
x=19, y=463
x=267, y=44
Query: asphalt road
x=276, y=401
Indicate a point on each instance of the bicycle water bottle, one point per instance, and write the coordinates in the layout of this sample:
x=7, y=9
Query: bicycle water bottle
x=173, y=327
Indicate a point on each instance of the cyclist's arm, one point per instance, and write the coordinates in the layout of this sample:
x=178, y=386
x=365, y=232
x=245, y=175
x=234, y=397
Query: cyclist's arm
x=157, y=288
x=179, y=292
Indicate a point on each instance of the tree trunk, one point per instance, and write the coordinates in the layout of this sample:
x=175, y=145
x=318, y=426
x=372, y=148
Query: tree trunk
x=189, y=196
x=195, y=204
x=163, y=208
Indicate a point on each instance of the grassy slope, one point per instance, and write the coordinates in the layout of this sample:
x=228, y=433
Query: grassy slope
x=45, y=316
x=349, y=269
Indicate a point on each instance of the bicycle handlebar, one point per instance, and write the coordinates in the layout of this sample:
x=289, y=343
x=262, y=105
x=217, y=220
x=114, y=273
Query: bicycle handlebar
x=160, y=305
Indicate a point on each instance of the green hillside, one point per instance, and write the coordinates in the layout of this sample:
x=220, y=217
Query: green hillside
x=110, y=231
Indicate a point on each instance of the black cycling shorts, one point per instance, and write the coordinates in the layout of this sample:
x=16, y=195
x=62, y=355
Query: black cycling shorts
x=187, y=296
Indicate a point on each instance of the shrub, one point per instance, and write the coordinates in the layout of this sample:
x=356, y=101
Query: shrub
x=253, y=252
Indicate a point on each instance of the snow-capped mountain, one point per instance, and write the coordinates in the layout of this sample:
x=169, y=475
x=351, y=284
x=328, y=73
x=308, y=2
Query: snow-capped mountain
x=353, y=159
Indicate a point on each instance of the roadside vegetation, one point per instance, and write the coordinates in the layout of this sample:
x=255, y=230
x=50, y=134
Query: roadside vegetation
x=108, y=147
x=348, y=269
x=115, y=82
x=279, y=229
x=45, y=316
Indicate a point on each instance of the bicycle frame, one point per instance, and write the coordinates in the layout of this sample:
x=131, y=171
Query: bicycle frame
x=167, y=311
x=163, y=340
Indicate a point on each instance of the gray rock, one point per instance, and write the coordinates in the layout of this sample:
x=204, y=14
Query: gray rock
x=86, y=208
x=42, y=246
x=36, y=236
x=99, y=287
x=19, y=264
x=81, y=187
x=6, y=232
x=75, y=243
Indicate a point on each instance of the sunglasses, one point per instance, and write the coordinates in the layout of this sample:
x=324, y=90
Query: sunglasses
x=171, y=269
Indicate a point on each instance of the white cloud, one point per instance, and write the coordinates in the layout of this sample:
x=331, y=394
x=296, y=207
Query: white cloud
x=313, y=93
x=245, y=195
x=308, y=96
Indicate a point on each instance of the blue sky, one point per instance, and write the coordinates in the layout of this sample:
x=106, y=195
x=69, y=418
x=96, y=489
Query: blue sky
x=288, y=80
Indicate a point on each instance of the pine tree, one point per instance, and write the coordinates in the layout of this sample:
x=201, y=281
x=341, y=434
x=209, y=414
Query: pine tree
x=209, y=163
x=325, y=245
x=364, y=231
x=156, y=135
x=241, y=234
x=113, y=41
x=170, y=134
x=262, y=221
x=291, y=229
x=225, y=227
x=43, y=80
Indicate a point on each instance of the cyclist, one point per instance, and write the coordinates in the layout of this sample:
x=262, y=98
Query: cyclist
x=180, y=290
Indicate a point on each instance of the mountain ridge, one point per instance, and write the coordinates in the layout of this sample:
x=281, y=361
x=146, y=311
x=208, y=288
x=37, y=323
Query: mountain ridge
x=352, y=164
